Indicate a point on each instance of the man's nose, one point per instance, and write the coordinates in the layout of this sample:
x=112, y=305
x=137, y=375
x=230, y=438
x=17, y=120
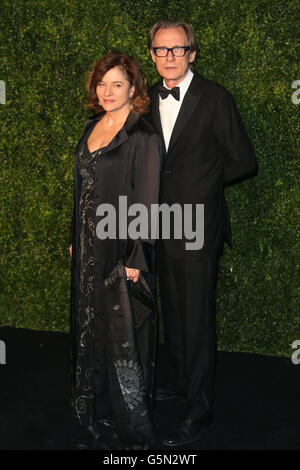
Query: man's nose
x=170, y=56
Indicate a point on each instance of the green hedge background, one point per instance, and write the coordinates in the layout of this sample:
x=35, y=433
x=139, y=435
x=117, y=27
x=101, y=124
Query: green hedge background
x=47, y=48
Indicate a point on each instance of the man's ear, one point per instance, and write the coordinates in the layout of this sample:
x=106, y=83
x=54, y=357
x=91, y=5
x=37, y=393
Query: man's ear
x=153, y=55
x=192, y=56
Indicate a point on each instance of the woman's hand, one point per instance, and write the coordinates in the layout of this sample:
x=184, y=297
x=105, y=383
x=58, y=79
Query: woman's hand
x=132, y=274
x=70, y=250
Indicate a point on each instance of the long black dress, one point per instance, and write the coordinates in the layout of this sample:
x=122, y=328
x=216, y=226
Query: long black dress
x=130, y=166
x=83, y=397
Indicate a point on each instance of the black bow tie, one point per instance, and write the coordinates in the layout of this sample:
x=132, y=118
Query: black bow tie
x=164, y=92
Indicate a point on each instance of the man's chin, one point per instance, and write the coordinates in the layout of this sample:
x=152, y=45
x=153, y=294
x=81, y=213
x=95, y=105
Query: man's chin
x=170, y=76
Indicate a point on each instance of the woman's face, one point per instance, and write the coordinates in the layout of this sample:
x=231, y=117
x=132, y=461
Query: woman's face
x=114, y=90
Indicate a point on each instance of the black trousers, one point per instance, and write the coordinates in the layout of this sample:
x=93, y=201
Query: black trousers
x=188, y=301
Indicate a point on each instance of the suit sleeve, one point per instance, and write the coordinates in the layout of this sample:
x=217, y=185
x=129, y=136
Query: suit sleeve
x=239, y=156
x=145, y=190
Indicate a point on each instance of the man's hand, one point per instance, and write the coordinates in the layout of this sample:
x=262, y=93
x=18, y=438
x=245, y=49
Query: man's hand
x=70, y=250
x=132, y=274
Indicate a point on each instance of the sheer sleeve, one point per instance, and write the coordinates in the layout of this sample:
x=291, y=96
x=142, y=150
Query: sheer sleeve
x=146, y=176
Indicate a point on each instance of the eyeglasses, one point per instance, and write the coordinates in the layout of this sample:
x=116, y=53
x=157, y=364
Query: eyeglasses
x=177, y=51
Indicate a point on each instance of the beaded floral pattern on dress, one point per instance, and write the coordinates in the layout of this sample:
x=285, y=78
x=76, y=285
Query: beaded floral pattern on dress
x=131, y=380
x=83, y=395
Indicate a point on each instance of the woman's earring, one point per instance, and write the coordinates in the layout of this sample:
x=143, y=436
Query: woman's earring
x=131, y=104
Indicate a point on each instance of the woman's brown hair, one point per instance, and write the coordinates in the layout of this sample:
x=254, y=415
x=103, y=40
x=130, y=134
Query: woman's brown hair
x=140, y=99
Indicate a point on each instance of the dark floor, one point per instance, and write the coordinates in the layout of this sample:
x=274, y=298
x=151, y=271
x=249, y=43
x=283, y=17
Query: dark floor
x=257, y=404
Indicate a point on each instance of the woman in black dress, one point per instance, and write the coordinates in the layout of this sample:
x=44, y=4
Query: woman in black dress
x=117, y=155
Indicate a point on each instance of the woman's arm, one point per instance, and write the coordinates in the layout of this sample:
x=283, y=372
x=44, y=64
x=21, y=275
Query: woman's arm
x=145, y=183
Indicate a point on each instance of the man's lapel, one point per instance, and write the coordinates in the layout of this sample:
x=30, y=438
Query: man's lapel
x=190, y=101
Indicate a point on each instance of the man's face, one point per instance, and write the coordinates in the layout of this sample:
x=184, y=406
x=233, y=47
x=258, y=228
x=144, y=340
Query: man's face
x=172, y=69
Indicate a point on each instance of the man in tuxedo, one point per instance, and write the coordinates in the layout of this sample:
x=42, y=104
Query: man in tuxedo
x=205, y=147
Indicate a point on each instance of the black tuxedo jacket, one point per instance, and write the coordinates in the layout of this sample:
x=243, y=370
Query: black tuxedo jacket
x=209, y=148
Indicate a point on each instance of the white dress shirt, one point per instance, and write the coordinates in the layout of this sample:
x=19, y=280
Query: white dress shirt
x=169, y=108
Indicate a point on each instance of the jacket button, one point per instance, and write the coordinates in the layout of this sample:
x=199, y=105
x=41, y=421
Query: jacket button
x=168, y=172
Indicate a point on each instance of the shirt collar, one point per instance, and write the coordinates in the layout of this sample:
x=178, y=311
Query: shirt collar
x=184, y=84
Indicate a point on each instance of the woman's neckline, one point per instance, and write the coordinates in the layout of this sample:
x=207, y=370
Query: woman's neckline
x=94, y=151
x=103, y=146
